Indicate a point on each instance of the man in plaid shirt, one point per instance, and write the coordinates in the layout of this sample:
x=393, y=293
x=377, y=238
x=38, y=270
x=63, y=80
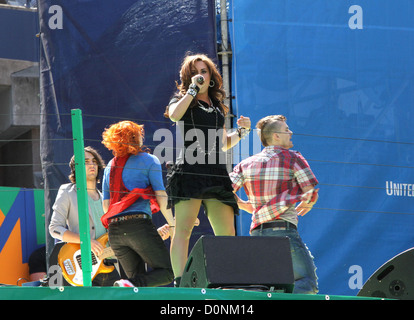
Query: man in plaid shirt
x=275, y=180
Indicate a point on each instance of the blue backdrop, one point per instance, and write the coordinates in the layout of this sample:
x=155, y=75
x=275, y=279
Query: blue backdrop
x=343, y=76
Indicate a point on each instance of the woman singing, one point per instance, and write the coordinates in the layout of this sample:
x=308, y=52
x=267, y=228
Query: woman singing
x=199, y=176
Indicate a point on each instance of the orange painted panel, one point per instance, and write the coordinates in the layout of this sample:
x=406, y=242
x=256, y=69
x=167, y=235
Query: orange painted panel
x=11, y=266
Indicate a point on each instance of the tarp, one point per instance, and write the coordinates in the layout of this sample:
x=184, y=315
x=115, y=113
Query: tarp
x=114, y=60
x=342, y=72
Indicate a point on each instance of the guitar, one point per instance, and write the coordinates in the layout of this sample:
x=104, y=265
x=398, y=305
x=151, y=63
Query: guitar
x=69, y=259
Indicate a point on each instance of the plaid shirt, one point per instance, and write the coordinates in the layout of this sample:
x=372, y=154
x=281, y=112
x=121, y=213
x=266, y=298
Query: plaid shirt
x=273, y=180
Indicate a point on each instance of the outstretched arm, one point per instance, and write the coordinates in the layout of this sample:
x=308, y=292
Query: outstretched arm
x=231, y=139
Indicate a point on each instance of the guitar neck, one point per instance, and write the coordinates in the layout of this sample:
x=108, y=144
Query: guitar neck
x=107, y=252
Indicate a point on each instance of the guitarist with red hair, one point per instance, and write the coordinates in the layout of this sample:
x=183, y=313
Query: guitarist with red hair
x=133, y=189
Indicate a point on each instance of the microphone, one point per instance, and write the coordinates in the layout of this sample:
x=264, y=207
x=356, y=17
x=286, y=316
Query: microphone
x=200, y=79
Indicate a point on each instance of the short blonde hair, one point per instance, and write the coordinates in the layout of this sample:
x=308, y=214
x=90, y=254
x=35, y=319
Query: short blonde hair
x=267, y=126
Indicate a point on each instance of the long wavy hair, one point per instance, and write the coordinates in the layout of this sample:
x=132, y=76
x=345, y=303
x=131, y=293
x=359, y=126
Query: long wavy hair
x=215, y=92
x=123, y=138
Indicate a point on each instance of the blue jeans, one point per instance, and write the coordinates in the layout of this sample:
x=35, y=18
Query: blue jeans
x=137, y=243
x=304, y=270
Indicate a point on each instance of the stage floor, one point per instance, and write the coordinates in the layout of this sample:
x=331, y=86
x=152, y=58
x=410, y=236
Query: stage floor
x=159, y=293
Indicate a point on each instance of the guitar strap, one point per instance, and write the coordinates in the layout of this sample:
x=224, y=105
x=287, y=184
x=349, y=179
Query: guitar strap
x=120, y=197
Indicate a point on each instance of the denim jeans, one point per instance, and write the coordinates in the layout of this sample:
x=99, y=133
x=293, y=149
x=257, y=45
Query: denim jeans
x=304, y=270
x=137, y=243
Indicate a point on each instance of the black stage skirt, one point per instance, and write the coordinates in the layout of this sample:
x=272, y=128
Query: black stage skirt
x=185, y=182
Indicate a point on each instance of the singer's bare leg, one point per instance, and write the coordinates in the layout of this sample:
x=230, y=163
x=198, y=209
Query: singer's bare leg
x=221, y=217
x=186, y=213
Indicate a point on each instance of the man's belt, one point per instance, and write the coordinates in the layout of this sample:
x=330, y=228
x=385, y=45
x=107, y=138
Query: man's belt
x=281, y=224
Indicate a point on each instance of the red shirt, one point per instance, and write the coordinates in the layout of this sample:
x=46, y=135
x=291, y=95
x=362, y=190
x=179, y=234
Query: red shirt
x=273, y=180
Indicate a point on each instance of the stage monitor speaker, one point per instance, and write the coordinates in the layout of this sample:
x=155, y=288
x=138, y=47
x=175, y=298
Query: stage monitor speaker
x=240, y=262
x=394, y=279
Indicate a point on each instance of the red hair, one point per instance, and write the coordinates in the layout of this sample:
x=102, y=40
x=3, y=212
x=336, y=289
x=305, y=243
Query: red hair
x=123, y=138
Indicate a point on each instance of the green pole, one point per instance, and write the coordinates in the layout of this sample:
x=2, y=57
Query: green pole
x=82, y=194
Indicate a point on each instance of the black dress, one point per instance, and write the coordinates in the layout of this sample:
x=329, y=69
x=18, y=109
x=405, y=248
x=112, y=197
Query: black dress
x=200, y=171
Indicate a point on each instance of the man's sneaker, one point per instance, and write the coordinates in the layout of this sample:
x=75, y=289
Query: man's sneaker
x=123, y=283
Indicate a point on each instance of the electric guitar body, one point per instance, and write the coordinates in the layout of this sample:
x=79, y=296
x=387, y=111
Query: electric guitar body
x=69, y=259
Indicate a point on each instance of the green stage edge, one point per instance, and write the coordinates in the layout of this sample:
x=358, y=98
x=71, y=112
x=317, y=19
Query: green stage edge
x=158, y=293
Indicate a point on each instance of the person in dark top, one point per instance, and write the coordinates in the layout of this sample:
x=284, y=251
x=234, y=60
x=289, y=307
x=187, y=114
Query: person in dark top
x=199, y=176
